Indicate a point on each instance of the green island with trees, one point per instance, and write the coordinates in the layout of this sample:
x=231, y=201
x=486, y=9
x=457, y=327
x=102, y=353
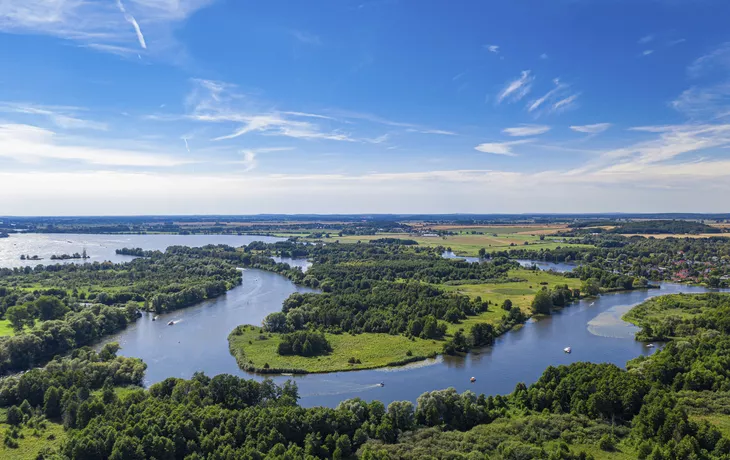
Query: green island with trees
x=383, y=303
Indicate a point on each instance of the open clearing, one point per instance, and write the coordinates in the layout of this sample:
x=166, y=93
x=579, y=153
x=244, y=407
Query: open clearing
x=520, y=293
x=32, y=441
x=6, y=329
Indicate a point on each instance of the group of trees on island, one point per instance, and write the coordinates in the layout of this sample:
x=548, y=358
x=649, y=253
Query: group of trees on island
x=304, y=343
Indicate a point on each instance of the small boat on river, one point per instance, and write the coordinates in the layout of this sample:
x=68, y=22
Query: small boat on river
x=171, y=323
x=473, y=379
x=568, y=350
x=649, y=345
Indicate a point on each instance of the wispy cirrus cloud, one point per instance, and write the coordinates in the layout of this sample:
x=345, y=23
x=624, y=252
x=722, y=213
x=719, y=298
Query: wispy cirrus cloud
x=595, y=128
x=501, y=148
x=558, y=99
x=671, y=142
x=566, y=103
x=492, y=48
x=98, y=24
x=63, y=117
x=537, y=103
x=31, y=144
x=709, y=97
x=526, y=130
x=646, y=39
x=130, y=19
x=516, y=89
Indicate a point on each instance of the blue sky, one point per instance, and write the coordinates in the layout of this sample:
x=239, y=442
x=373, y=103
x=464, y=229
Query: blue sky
x=223, y=106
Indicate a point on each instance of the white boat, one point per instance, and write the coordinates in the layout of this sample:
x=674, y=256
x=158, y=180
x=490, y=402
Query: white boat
x=171, y=323
x=381, y=384
x=649, y=345
x=473, y=379
x=567, y=350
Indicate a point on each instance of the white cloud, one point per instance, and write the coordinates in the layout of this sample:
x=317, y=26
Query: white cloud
x=672, y=141
x=710, y=98
x=31, y=144
x=647, y=52
x=537, y=103
x=719, y=58
x=646, y=39
x=591, y=129
x=685, y=187
x=130, y=19
x=677, y=41
x=63, y=117
x=706, y=102
x=98, y=24
x=526, y=130
x=544, y=56
x=493, y=49
x=565, y=104
x=517, y=88
x=501, y=148
x=441, y=132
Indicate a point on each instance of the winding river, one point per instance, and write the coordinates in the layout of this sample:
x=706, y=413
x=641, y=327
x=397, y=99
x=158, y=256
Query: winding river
x=198, y=339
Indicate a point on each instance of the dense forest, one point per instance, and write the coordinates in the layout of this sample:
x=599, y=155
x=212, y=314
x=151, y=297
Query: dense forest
x=662, y=407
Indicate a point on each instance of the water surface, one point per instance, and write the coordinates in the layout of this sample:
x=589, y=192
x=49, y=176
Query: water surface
x=102, y=247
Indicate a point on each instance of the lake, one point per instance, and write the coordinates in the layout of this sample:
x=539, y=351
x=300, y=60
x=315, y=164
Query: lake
x=560, y=267
x=102, y=247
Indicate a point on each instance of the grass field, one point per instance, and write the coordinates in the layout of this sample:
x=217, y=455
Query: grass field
x=30, y=441
x=469, y=244
x=720, y=421
x=520, y=293
x=373, y=350
x=6, y=329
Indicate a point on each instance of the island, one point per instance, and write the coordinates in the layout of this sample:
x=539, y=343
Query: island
x=75, y=255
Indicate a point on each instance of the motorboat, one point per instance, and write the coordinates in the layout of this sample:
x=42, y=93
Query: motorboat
x=381, y=384
x=649, y=345
x=567, y=350
x=473, y=379
x=171, y=323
